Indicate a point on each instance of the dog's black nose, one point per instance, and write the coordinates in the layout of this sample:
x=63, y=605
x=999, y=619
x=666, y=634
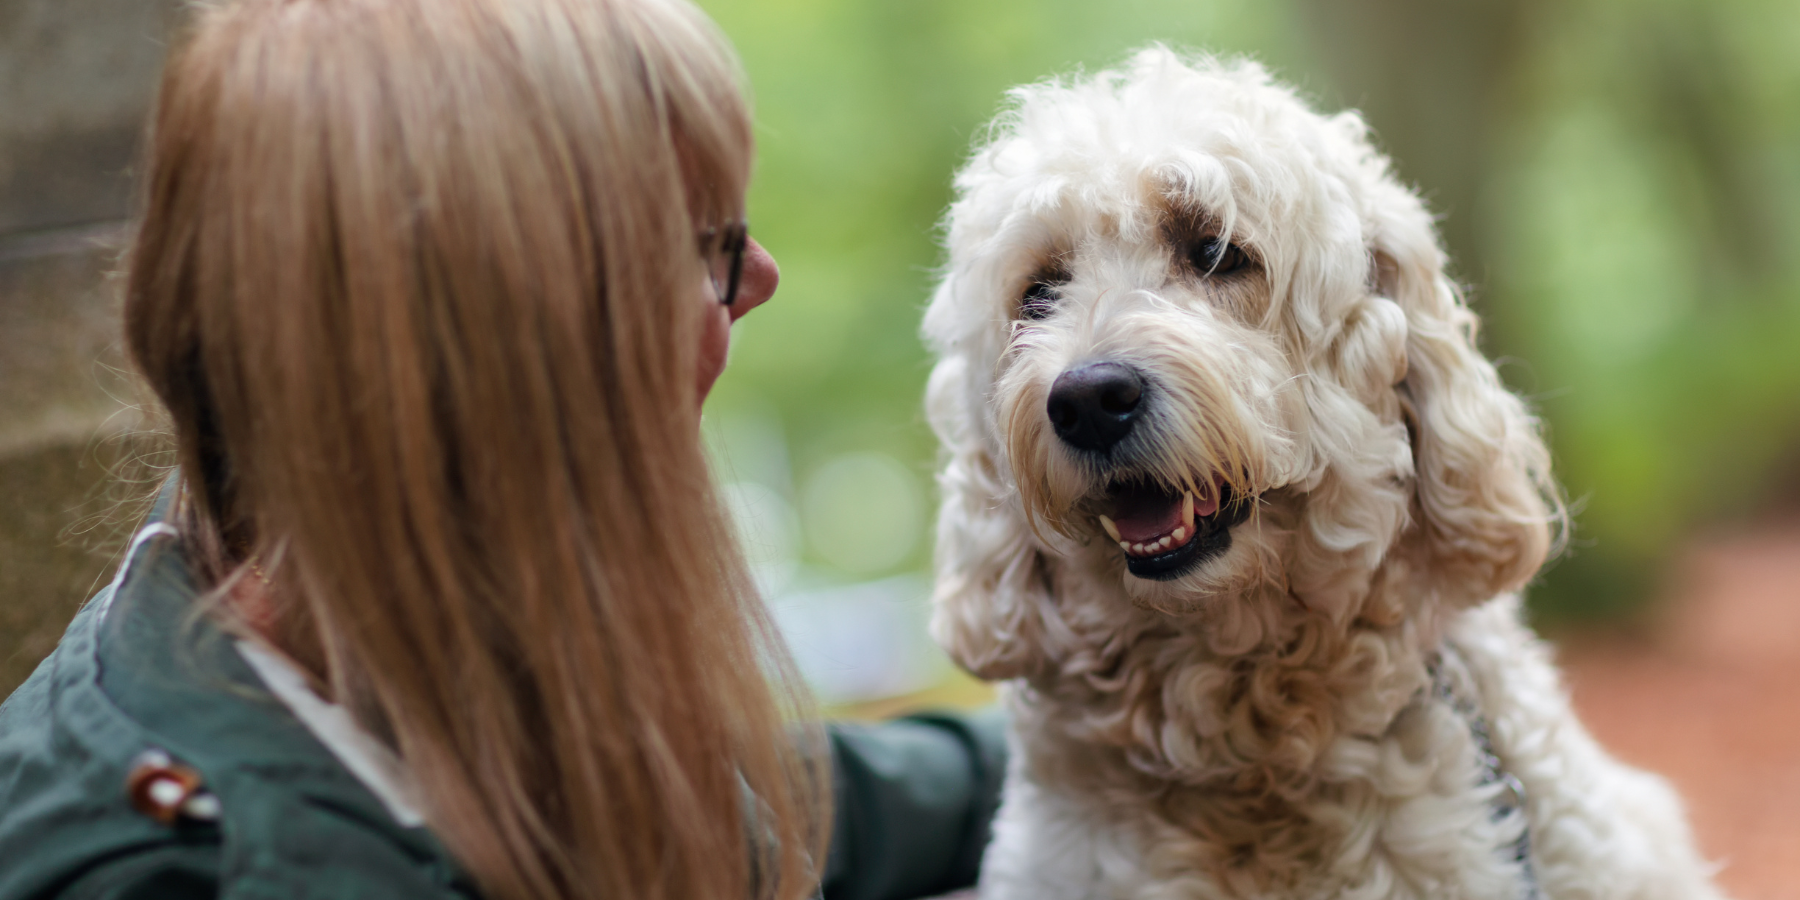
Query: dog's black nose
x=1093, y=406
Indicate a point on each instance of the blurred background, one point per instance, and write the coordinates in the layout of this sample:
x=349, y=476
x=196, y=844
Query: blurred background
x=1618, y=181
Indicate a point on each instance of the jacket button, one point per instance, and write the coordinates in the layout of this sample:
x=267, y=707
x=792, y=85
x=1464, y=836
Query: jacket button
x=167, y=791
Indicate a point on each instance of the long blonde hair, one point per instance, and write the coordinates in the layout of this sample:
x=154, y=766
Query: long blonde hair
x=417, y=282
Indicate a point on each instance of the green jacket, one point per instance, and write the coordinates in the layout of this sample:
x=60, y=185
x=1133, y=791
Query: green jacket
x=138, y=671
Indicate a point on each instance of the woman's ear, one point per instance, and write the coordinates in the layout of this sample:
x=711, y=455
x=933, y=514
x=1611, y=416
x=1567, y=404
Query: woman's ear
x=1485, y=511
x=992, y=583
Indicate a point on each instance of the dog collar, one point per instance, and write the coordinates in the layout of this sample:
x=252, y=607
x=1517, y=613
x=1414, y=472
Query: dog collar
x=1511, y=796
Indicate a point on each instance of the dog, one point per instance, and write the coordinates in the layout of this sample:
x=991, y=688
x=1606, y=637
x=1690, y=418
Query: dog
x=1237, y=511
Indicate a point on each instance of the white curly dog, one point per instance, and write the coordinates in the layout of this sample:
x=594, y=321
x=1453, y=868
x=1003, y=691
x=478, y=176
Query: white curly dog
x=1235, y=507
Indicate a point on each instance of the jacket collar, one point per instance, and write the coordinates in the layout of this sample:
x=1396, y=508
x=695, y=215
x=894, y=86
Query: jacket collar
x=147, y=669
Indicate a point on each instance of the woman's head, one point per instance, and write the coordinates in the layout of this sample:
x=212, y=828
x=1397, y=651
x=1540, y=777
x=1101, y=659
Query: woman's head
x=341, y=189
x=417, y=281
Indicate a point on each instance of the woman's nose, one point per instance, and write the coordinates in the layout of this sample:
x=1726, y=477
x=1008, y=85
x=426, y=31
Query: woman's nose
x=757, y=282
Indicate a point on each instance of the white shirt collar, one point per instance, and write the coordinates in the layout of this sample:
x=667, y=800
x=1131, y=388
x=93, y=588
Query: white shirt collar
x=377, y=767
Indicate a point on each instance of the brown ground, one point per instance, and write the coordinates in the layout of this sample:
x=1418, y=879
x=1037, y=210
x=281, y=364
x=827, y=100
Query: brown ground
x=1710, y=698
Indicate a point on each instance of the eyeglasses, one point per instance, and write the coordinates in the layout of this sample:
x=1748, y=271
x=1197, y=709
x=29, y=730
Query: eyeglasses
x=724, y=249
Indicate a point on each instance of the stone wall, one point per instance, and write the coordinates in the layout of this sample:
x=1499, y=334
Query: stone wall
x=76, y=80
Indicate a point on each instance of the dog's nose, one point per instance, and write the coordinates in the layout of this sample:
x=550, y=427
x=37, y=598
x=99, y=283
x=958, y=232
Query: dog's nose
x=1092, y=407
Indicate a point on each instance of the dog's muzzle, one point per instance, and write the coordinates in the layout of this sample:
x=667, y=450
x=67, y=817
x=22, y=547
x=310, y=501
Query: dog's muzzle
x=1164, y=532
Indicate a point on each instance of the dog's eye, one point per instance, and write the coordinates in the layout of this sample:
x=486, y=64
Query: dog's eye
x=1041, y=295
x=1212, y=256
x=1039, y=301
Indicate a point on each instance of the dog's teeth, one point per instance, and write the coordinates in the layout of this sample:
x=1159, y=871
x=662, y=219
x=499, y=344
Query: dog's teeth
x=1165, y=542
x=1138, y=548
x=1180, y=534
x=1125, y=546
x=1111, y=529
x=1187, y=509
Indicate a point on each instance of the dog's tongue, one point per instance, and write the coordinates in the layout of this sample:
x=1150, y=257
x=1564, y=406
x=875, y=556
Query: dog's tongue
x=1143, y=512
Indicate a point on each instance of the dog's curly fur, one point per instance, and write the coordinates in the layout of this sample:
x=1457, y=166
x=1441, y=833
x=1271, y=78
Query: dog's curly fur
x=1257, y=725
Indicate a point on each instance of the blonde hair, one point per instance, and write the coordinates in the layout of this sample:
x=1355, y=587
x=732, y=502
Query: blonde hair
x=417, y=282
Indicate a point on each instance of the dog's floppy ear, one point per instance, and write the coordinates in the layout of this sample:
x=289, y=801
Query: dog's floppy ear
x=988, y=610
x=1485, y=511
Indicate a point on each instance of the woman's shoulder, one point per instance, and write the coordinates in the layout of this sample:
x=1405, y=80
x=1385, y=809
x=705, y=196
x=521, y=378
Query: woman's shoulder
x=144, y=740
x=62, y=832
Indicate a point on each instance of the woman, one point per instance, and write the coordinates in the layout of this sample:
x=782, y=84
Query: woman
x=432, y=291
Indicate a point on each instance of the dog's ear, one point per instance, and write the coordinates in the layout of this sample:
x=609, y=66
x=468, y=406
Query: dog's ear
x=992, y=591
x=992, y=594
x=1485, y=511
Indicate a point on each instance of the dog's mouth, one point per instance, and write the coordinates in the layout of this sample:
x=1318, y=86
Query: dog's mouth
x=1166, y=532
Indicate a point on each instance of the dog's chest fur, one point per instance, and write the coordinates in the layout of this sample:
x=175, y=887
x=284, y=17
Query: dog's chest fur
x=1307, y=767
x=1112, y=795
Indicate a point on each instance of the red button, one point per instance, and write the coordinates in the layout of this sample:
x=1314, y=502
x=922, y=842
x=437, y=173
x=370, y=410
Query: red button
x=161, y=788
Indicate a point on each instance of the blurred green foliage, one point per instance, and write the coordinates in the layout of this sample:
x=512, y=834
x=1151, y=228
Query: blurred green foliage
x=1645, y=210
x=1620, y=180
